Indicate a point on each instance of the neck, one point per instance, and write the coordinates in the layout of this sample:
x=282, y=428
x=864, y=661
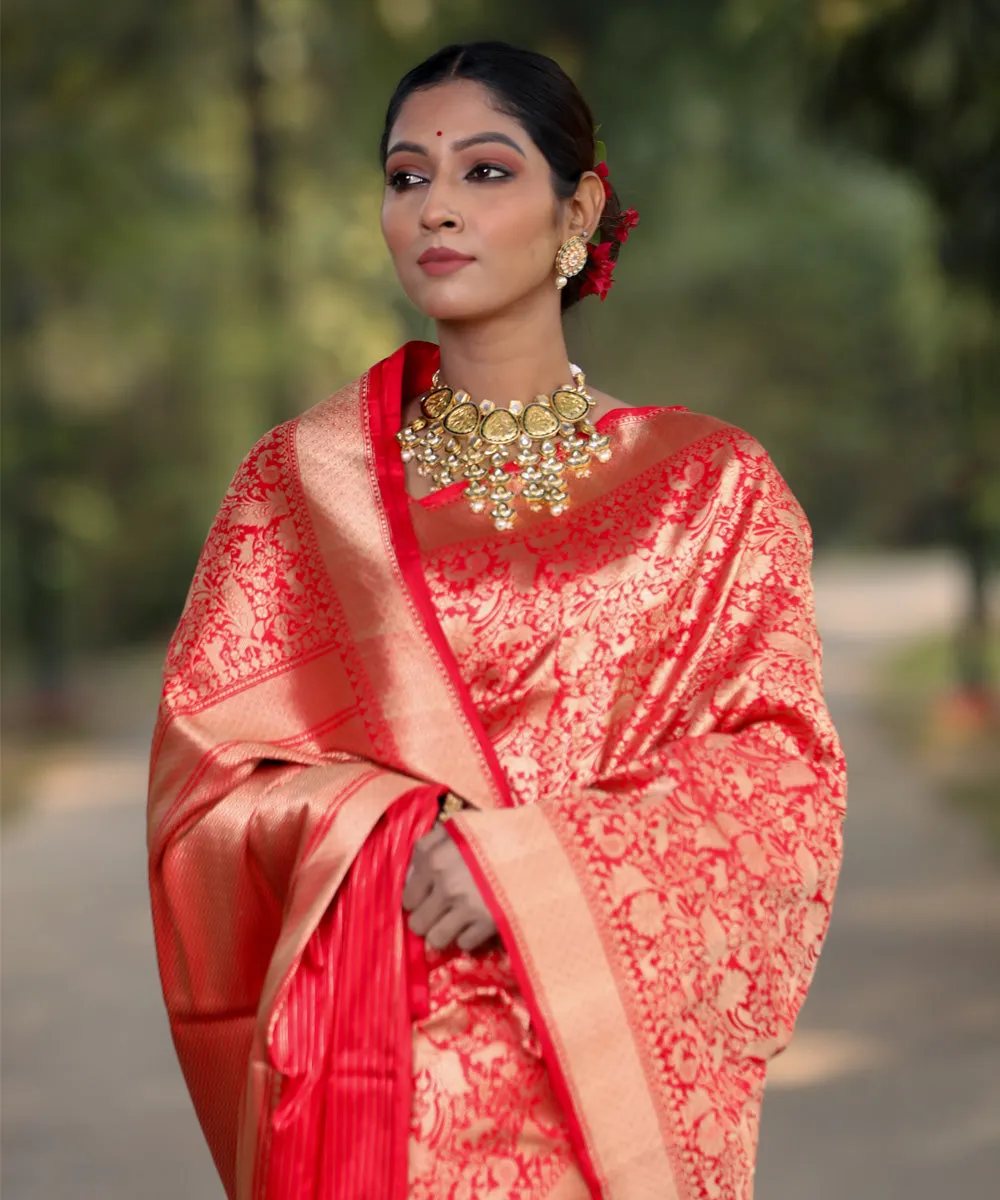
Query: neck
x=510, y=356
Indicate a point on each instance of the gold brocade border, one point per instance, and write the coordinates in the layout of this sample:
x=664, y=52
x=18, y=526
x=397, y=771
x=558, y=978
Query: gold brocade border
x=338, y=466
x=268, y=715
x=569, y=984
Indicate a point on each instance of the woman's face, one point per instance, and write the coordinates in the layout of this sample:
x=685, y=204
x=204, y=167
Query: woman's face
x=463, y=178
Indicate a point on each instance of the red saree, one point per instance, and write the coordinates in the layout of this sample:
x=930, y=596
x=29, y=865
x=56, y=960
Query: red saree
x=628, y=696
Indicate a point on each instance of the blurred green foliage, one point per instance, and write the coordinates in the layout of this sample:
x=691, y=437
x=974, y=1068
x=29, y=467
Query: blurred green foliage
x=191, y=253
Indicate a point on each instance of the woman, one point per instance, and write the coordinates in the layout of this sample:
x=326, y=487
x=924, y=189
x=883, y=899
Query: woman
x=495, y=809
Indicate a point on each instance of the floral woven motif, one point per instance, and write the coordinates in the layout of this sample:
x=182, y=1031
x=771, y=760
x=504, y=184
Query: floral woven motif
x=259, y=600
x=652, y=685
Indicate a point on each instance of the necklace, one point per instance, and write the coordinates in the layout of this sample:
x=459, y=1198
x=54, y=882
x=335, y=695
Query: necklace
x=456, y=439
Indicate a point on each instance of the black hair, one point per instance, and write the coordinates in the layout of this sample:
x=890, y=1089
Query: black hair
x=537, y=93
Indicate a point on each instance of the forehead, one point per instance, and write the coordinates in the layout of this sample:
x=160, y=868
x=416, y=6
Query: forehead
x=458, y=108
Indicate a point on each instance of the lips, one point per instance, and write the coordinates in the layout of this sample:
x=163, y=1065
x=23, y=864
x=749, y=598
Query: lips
x=438, y=260
x=441, y=254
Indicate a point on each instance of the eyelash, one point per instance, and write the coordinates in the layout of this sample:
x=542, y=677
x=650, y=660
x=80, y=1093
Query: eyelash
x=397, y=179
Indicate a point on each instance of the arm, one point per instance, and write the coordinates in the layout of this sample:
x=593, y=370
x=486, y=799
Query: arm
x=267, y=779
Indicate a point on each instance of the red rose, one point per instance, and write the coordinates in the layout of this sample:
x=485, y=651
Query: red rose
x=597, y=276
x=626, y=221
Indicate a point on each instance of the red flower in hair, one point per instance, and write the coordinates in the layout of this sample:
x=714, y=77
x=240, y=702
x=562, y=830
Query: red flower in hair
x=602, y=170
x=597, y=278
x=626, y=221
x=598, y=274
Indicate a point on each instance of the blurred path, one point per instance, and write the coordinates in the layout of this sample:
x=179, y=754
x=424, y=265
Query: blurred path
x=891, y=1087
x=93, y=1104
x=94, y=1107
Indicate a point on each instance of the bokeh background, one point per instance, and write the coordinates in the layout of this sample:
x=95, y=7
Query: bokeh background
x=191, y=254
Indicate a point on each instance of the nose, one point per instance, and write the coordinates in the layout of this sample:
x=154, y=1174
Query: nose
x=440, y=208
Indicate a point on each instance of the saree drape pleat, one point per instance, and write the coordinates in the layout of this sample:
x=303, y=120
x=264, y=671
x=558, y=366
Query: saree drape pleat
x=341, y=1126
x=629, y=697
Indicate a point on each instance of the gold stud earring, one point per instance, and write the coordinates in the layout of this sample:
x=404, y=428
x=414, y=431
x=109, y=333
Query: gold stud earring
x=571, y=258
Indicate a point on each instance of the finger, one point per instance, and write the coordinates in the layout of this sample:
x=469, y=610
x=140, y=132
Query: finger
x=427, y=914
x=433, y=837
x=445, y=931
x=420, y=873
x=475, y=935
x=419, y=882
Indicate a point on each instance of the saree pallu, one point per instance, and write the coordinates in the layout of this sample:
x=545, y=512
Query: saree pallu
x=629, y=698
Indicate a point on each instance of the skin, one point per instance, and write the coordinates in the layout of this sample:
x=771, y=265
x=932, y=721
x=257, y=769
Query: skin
x=441, y=896
x=464, y=176
x=499, y=322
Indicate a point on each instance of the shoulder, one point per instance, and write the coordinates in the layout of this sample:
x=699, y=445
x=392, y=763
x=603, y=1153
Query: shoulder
x=271, y=463
x=727, y=459
x=679, y=431
x=257, y=598
x=750, y=486
x=729, y=477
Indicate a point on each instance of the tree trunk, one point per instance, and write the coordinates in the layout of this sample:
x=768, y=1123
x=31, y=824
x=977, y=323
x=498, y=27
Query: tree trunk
x=973, y=534
x=263, y=203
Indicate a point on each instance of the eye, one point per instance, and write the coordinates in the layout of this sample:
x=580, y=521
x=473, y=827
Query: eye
x=486, y=172
x=401, y=181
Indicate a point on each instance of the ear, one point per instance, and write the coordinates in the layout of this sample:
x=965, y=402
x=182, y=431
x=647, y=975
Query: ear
x=583, y=210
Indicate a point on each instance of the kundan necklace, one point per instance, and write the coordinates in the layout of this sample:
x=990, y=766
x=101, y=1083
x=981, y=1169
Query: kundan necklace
x=456, y=439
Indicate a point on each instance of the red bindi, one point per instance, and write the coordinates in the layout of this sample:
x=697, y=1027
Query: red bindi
x=439, y=133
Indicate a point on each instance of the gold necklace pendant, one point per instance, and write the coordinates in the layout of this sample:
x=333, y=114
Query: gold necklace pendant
x=456, y=439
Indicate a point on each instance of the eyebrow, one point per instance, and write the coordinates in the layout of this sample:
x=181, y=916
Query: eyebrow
x=477, y=139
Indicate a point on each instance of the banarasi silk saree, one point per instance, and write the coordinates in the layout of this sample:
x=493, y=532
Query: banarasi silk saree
x=628, y=696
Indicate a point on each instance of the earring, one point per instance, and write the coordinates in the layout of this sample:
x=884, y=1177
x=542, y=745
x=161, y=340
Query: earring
x=571, y=258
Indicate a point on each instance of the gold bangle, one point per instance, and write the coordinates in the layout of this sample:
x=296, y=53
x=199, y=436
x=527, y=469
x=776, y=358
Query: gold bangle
x=450, y=805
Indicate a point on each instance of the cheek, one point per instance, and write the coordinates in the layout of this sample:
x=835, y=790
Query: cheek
x=394, y=226
x=523, y=234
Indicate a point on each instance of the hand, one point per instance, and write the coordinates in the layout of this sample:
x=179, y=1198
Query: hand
x=441, y=896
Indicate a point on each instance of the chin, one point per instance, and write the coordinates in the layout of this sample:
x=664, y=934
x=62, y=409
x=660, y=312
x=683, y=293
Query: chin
x=457, y=312
x=456, y=305
x=463, y=303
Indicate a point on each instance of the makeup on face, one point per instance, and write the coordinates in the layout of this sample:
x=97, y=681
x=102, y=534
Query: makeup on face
x=464, y=185
x=439, y=260
x=508, y=156
x=475, y=139
x=405, y=173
